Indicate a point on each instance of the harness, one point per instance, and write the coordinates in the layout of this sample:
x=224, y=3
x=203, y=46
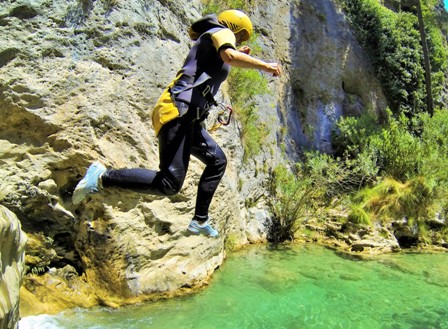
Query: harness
x=224, y=112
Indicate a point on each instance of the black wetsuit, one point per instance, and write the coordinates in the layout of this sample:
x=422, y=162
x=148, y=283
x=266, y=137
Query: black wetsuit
x=184, y=136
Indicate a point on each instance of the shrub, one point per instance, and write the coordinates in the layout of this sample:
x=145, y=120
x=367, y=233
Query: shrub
x=294, y=197
x=336, y=175
x=412, y=158
x=434, y=136
x=384, y=172
x=391, y=200
x=389, y=149
x=398, y=151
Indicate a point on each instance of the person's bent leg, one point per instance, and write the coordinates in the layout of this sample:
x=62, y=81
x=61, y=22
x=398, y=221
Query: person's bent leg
x=211, y=154
x=143, y=180
x=174, y=154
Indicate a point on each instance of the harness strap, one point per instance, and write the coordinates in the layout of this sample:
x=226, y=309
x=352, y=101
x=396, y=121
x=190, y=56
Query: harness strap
x=205, y=90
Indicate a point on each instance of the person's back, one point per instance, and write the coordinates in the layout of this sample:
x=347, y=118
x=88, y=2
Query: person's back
x=203, y=58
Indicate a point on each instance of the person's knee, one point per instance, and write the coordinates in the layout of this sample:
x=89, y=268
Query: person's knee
x=172, y=191
x=172, y=184
x=221, y=161
x=172, y=187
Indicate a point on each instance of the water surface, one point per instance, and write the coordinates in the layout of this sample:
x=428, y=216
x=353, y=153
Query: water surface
x=298, y=287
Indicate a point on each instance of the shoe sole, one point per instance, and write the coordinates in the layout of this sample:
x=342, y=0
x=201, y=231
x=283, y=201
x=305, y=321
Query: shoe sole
x=199, y=232
x=193, y=231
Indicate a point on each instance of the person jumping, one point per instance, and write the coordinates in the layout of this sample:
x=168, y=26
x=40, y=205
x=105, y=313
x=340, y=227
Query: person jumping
x=177, y=118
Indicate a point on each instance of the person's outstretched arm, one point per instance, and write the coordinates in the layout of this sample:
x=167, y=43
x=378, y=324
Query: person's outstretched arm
x=243, y=60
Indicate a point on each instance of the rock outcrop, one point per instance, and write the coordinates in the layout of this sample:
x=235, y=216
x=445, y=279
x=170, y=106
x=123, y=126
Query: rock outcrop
x=78, y=80
x=12, y=265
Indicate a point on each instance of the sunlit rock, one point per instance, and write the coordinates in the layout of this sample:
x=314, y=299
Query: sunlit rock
x=12, y=265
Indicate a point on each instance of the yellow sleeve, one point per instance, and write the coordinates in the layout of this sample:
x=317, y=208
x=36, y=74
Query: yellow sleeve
x=222, y=38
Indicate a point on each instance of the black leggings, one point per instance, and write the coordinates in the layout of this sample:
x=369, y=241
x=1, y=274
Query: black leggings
x=178, y=140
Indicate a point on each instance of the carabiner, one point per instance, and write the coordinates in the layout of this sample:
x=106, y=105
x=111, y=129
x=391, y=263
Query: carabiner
x=225, y=114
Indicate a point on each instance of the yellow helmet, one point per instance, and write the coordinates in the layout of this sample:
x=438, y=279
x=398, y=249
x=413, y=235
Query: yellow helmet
x=236, y=21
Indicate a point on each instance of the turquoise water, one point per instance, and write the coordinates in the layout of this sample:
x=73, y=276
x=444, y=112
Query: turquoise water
x=298, y=287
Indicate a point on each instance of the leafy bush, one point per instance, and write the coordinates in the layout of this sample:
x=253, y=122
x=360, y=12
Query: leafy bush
x=400, y=148
x=318, y=181
x=434, y=137
x=437, y=44
x=382, y=172
x=336, y=175
x=391, y=148
x=398, y=151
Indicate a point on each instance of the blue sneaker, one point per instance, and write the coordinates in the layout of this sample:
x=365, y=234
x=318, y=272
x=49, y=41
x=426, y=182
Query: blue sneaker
x=90, y=183
x=205, y=228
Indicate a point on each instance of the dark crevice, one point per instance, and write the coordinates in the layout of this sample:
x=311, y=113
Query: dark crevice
x=24, y=12
x=7, y=55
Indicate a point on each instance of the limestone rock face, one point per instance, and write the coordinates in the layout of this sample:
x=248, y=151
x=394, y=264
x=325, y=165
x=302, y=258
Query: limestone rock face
x=12, y=265
x=329, y=74
x=78, y=80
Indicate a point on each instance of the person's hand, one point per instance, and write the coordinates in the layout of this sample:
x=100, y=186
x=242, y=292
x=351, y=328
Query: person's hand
x=245, y=49
x=274, y=68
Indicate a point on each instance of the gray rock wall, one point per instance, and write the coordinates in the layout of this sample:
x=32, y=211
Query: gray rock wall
x=78, y=80
x=329, y=75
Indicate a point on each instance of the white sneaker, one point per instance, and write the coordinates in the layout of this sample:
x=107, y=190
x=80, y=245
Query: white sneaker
x=205, y=228
x=90, y=183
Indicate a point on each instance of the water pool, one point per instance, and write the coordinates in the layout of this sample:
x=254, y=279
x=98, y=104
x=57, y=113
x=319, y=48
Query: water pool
x=303, y=286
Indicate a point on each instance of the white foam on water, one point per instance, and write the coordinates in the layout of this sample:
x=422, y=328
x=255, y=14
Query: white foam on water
x=43, y=321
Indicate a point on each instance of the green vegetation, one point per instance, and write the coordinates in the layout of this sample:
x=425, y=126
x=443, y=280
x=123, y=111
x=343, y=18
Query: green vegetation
x=392, y=40
x=391, y=199
x=231, y=243
x=381, y=173
x=293, y=202
x=244, y=85
x=303, y=193
x=412, y=168
x=216, y=6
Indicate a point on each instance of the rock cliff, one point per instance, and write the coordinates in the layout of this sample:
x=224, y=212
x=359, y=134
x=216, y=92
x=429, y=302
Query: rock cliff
x=78, y=80
x=12, y=265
